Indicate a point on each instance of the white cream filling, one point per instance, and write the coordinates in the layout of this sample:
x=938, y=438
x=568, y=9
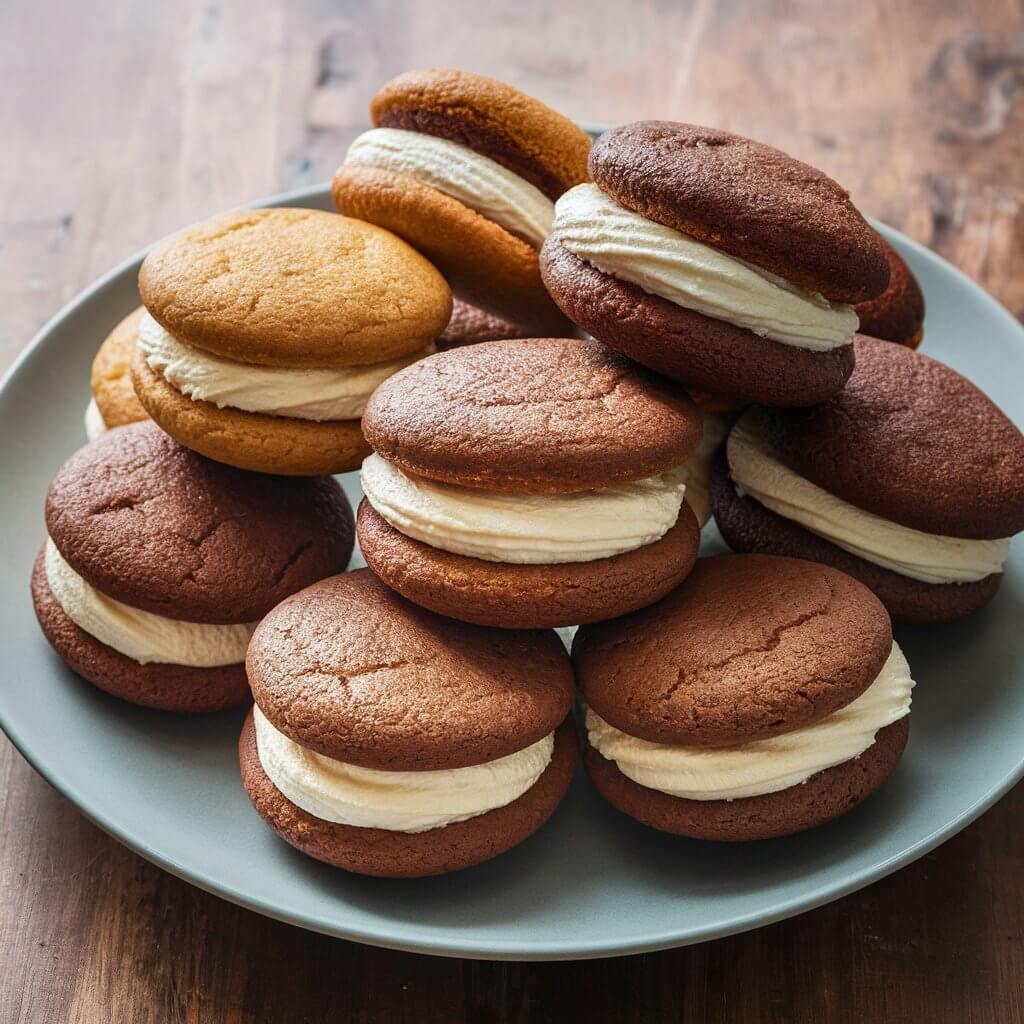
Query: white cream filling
x=140, y=635
x=761, y=766
x=667, y=263
x=463, y=174
x=317, y=394
x=524, y=529
x=94, y=424
x=399, y=801
x=929, y=557
x=697, y=469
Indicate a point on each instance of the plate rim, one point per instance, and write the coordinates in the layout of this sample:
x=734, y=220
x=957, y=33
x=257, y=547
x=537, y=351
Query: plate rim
x=514, y=951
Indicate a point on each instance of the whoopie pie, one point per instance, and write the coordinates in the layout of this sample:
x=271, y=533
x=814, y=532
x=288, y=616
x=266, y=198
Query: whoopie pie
x=387, y=740
x=159, y=562
x=910, y=479
x=716, y=260
x=762, y=697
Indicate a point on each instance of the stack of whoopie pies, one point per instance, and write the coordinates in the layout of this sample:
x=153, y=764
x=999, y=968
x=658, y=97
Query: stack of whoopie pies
x=674, y=323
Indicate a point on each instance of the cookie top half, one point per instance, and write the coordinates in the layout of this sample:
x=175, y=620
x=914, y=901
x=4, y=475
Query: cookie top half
x=490, y=117
x=295, y=288
x=750, y=646
x=350, y=669
x=746, y=199
x=540, y=415
x=158, y=527
x=910, y=440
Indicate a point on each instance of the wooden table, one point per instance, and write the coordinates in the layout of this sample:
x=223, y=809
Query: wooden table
x=123, y=122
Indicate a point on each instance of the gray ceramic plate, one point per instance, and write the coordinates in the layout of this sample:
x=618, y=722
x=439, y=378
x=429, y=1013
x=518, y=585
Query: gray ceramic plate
x=591, y=883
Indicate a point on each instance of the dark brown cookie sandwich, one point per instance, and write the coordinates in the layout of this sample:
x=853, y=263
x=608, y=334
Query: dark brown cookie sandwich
x=910, y=479
x=266, y=331
x=467, y=169
x=762, y=697
x=898, y=313
x=529, y=483
x=470, y=325
x=158, y=562
x=719, y=261
x=387, y=740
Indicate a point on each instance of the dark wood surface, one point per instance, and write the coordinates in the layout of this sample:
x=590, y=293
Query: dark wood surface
x=123, y=121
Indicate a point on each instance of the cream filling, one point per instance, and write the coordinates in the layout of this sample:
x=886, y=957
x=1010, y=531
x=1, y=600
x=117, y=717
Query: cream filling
x=525, y=529
x=667, y=263
x=697, y=469
x=761, y=766
x=399, y=801
x=94, y=424
x=929, y=557
x=333, y=394
x=139, y=635
x=474, y=180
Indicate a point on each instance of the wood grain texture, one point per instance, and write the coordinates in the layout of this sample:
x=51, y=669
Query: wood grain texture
x=121, y=122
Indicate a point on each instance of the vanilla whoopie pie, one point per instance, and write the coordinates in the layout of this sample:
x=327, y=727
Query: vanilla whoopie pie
x=113, y=401
x=910, y=480
x=267, y=330
x=762, y=697
x=898, y=313
x=528, y=484
x=467, y=169
x=720, y=262
x=158, y=563
x=387, y=740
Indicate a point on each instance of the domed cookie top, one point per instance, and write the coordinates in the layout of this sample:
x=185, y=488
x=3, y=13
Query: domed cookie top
x=157, y=526
x=747, y=199
x=296, y=288
x=910, y=440
x=543, y=415
x=898, y=313
x=749, y=646
x=353, y=671
x=495, y=119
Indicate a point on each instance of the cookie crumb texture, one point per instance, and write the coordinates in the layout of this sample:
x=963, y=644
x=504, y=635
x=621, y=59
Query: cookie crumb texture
x=352, y=670
x=375, y=851
x=544, y=415
x=821, y=798
x=295, y=288
x=155, y=525
x=748, y=647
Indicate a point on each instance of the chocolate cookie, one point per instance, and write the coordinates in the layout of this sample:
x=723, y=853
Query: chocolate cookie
x=159, y=561
x=898, y=313
x=716, y=260
x=424, y=747
x=543, y=415
x=267, y=330
x=537, y=482
x=467, y=169
x=113, y=396
x=471, y=325
x=762, y=697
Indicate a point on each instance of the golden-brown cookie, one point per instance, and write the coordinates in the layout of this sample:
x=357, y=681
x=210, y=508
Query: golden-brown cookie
x=111, y=377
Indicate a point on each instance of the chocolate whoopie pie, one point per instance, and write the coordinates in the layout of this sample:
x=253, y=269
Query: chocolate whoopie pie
x=471, y=325
x=910, y=479
x=720, y=262
x=387, y=740
x=113, y=401
x=466, y=169
x=528, y=484
x=267, y=330
x=898, y=313
x=158, y=563
x=762, y=697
